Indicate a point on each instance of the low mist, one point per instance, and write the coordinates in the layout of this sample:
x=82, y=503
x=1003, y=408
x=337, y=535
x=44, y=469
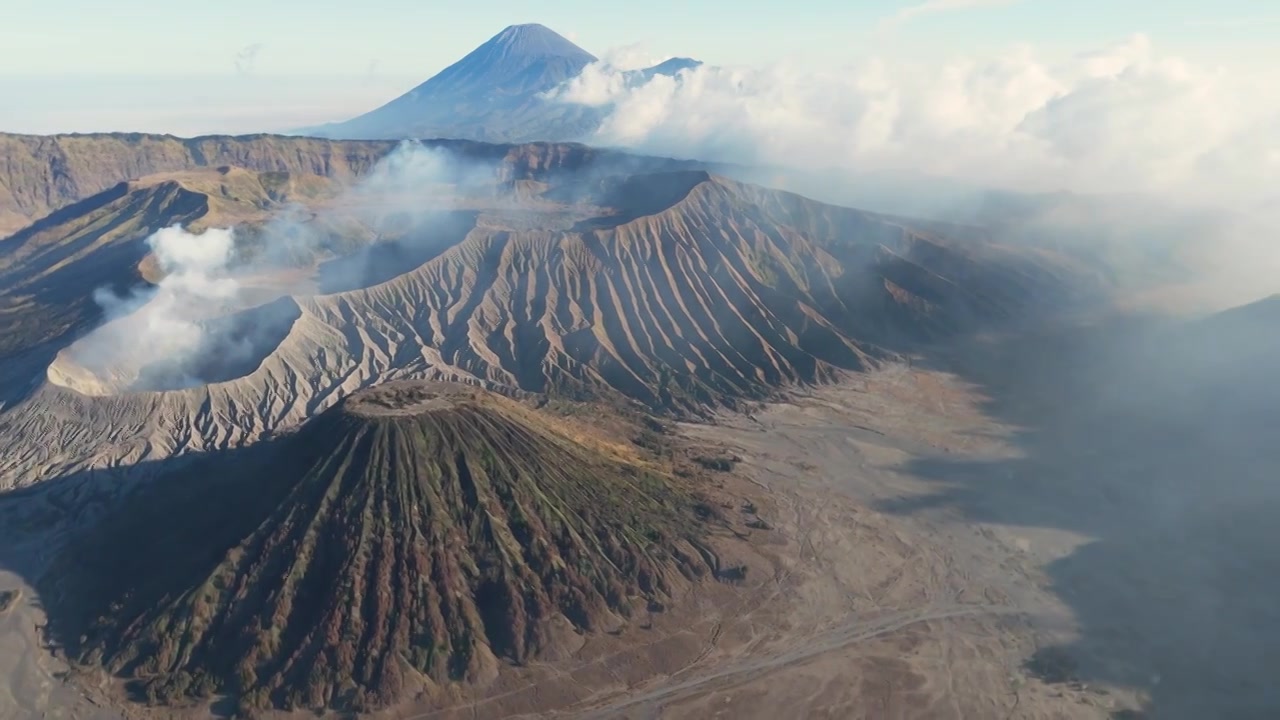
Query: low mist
x=1127, y=141
x=1148, y=440
x=1152, y=440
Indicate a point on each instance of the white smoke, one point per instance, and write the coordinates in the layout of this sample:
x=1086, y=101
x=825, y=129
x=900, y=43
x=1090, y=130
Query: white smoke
x=412, y=168
x=159, y=337
x=185, y=256
x=164, y=321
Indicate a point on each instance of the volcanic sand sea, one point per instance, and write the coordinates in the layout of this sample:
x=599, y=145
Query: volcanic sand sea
x=866, y=609
x=1071, y=523
x=878, y=614
x=872, y=612
x=994, y=539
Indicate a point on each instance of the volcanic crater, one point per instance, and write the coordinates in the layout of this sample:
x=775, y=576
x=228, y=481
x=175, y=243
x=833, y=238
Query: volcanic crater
x=215, y=349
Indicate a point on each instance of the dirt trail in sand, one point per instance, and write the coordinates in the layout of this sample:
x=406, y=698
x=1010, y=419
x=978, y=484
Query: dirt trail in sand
x=32, y=683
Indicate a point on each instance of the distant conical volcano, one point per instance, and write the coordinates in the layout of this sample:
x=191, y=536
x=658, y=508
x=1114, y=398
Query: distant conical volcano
x=493, y=94
x=520, y=60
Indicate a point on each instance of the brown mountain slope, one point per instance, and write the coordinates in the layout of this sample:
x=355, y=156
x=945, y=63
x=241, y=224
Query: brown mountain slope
x=42, y=173
x=418, y=535
x=726, y=292
x=50, y=270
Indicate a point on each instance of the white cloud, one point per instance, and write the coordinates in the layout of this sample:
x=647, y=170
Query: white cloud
x=1126, y=118
x=933, y=7
x=247, y=58
x=630, y=57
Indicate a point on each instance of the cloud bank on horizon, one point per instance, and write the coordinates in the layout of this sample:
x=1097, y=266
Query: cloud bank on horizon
x=1127, y=118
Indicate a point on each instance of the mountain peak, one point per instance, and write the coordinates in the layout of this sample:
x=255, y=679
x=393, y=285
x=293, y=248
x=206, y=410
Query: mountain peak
x=673, y=65
x=669, y=67
x=535, y=40
x=519, y=28
x=500, y=81
x=496, y=514
x=497, y=93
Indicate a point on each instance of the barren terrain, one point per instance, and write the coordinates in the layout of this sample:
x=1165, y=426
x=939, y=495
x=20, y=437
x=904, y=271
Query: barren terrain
x=906, y=487
x=925, y=557
x=862, y=611
x=880, y=615
x=692, y=292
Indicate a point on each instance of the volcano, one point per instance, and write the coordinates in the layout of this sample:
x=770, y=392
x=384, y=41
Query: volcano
x=493, y=94
x=559, y=271
x=418, y=534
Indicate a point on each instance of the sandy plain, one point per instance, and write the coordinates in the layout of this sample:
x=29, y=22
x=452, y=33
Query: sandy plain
x=854, y=606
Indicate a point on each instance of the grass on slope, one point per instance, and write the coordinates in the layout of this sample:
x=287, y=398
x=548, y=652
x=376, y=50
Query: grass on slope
x=376, y=551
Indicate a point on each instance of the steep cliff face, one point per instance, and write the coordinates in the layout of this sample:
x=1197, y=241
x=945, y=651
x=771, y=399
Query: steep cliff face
x=39, y=174
x=50, y=269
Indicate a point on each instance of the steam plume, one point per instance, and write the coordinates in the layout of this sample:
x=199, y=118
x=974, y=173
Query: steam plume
x=185, y=331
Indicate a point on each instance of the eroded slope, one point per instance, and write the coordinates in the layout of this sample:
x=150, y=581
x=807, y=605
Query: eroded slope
x=726, y=293
x=40, y=174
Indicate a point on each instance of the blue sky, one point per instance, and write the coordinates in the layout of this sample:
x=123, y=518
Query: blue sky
x=196, y=66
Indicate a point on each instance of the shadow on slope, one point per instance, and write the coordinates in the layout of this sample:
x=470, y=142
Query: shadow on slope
x=51, y=269
x=64, y=258
x=1158, y=443
x=404, y=246
x=714, y=293
x=629, y=196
